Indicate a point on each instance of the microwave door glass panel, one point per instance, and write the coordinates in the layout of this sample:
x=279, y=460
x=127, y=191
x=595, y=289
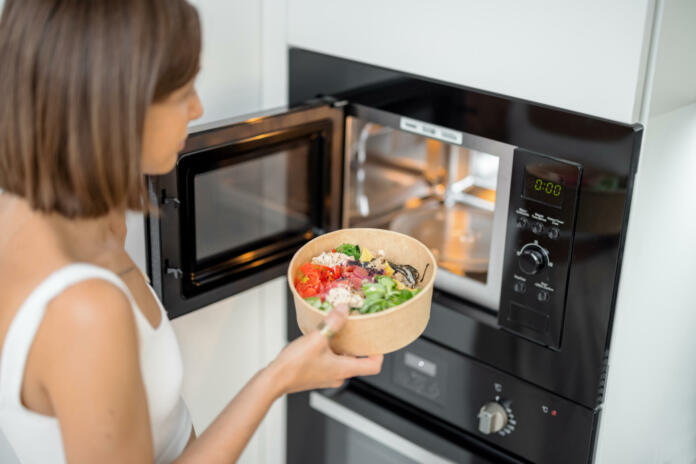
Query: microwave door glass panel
x=258, y=199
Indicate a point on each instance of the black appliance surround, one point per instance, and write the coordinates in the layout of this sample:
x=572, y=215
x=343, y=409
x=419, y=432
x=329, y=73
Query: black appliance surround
x=540, y=361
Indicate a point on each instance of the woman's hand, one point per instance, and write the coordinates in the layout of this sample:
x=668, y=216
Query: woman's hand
x=309, y=363
x=304, y=364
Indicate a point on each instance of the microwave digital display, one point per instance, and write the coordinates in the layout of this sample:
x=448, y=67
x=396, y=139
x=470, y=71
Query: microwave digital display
x=544, y=189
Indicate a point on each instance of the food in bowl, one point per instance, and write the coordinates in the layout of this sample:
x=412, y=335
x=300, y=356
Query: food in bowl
x=382, y=331
x=366, y=281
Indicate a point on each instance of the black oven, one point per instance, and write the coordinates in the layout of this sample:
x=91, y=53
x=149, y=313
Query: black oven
x=525, y=207
x=428, y=406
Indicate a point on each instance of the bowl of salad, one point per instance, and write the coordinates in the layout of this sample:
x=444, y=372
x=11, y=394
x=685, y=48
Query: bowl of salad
x=386, y=278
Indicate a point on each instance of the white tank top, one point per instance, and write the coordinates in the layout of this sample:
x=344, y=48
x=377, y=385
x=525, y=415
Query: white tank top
x=36, y=438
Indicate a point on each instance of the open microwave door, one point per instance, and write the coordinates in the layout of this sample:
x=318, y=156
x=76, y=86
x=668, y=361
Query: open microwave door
x=244, y=196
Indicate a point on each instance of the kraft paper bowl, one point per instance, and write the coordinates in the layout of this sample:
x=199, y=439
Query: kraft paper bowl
x=381, y=332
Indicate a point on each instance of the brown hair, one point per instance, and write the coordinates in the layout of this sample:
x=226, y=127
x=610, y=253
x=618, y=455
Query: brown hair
x=77, y=79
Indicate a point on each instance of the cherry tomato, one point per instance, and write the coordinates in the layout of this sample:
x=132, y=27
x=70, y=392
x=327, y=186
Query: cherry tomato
x=314, y=279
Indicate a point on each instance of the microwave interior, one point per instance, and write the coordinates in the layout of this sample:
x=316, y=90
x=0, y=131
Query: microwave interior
x=453, y=198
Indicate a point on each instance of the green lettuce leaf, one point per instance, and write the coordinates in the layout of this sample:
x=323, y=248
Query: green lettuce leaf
x=350, y=250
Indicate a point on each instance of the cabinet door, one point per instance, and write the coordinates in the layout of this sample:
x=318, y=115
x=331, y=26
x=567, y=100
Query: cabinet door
x=589, y=56
x=244, y=196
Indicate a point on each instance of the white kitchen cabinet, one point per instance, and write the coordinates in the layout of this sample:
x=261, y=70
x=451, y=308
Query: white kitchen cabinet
x=674, y=70
x=586, y=56
x=230, y=79
x=223, y=346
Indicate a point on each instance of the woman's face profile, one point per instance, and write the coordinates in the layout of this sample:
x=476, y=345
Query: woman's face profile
x=165, y=131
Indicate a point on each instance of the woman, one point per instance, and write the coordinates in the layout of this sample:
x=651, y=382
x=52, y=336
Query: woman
x=94, y=95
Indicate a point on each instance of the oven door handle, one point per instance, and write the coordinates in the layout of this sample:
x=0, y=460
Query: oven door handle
x=380, y=434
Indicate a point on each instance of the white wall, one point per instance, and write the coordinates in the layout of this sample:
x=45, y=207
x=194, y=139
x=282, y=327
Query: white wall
x=650, y=407
x=675, y=67
x=586, y=56
x=230, y=80
x=649, y=414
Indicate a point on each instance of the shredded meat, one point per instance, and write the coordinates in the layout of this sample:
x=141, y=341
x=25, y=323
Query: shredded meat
x=331, y=259
x=343, y=295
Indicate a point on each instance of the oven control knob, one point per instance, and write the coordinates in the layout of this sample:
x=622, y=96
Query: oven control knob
x=532, y=259
x=492, y=418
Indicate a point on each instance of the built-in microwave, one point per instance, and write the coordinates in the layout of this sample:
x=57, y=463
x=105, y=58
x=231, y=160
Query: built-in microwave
x=523, y=205
x=498, y=218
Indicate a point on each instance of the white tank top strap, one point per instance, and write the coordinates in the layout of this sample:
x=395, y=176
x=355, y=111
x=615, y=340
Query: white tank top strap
x=22, y=331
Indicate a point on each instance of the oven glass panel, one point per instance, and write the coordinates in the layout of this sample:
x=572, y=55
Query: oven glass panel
x=345, y=445
x=442, y=194
x=257, y=199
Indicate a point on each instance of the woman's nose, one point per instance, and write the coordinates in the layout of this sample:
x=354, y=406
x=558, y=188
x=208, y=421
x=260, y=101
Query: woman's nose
x=196, y=108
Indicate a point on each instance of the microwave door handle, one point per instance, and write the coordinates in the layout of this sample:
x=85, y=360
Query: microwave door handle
x=386, y=437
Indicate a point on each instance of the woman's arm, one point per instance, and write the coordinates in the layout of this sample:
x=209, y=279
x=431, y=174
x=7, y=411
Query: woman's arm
x=304, y=364
x=87, y=353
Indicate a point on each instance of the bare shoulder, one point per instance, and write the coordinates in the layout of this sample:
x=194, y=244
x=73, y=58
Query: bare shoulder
x=87, y=334
x=91, y=323
x=93, y=305
x=89, y=326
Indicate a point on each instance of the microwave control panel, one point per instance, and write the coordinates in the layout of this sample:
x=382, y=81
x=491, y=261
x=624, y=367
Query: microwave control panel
x=540, y=229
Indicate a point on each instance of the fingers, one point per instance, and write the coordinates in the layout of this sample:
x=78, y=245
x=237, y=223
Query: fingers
x=337, y=317
x=333, y=321
x=353, y=367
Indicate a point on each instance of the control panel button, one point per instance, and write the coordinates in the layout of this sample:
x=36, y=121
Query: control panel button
x=522, y=222
x=553, y=233
x=543, y=296
x=537, y=227
x=532, y=259
x=520, y=287
x=492, y=418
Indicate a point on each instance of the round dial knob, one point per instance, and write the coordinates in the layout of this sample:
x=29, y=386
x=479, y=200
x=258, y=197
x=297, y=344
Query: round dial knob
x=492, y=418
x=532, y=259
